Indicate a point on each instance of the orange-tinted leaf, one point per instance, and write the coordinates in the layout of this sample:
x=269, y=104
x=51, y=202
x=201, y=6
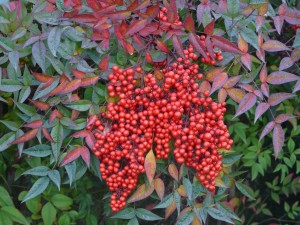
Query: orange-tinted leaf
x=143, y=5
x=120, y=15
x=43, y=106
x=26, y=137
x=173, y=171
x=159, y=187
x=152, y=11
x=34, y=124
x=204, y=86
x=196, y=221
x=209, y=45
x=261, y=109
x=85, y=82
x=43, y=78
x=138, y=41
x=236, y=94
x=281, y=77
x=247, y=87
x=222, y=95
x=71, y=86
x=274, y=46
x=247, y=60
x=181, y=191
x=292, y=16
x=127, y=47
x=161, y=46
x=159, y=75
x=232, y=81
x=178, y=46
x=78, y=74
x=277, y=98
x=295, y=55
x=150, y=166
x=211, y=74
x=189, y=24
x=278, y=139
x=268, y=128
x=58, y=89
x=53, y=115
x=71, y=155
x=278, y=22
x=263, y=74
x=247, y=103
x=148, y=57
x=141, y=193
x=259, y=22
x=47, y=134
x=85, y=155
x=283, y=117
x=195, y=42
x=209, y=29
x=170, y=209
x=136, y=26
x=84, y=18
x=91, y=120
x=103, y=65
x=243, y=45
x=74, y=114
x=219, y=80
x=225, y=45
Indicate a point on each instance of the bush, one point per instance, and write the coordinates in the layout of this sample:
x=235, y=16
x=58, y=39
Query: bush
x=114, y=112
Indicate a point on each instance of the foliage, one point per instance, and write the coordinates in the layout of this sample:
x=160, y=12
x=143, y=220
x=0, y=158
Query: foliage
x=56, y=57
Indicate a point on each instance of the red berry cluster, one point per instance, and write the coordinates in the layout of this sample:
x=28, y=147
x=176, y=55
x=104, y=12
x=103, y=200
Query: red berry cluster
x=211, y=60
x=160, y=64
x=295, y=27
x=149, y=114
x=162, y=16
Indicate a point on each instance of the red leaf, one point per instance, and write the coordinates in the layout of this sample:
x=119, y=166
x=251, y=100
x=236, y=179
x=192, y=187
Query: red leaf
x=85, y=155
x=265, y=89
x=78, y=74
x=225, y=45
x=274, y=46
x=243, y=45
x=282, y=9
x=277, y=98
x=247, y=103
x=143, y=5
x=204, y=86
x=278, y=139
x=236, y=94
x=100, y=21
x=34, y=124
x=81, y=134
x=247, y=60
x=26, y=137
x=247, y=87
x=232, y=81
x=195, y=42
x=219, y=80
x=173, y=171
x=43, y=78
x=162, y=46
x=90, y=141
x=268, y=128
x=159, y=187
x=138, y=41
x=222, y=95
x=261, y=54
x=141, y=193
x=261, y=109
x=148, y=57
x=258, y=93
x=281, y=77
x=209, y=29
x=47, y=135
x=127, y=47
x=283, y=117
x=71, y=155
x=120, y=15
x=152, y=11
x=292, y=16
x=58, y=89
x=43, y=106
x=136, y=26
x=189, y=24
x=150, y=166
x=71, y=86
x=53, y=115
x=259, y=22
x=263, y=74
x=94, y=4
x=178, y=46
x=84, y=18
x=285, y=63
x=85, y=82
x=211, y=74
x=91, y=120
x=103, y=65
x=209, y=46
x=278, y=22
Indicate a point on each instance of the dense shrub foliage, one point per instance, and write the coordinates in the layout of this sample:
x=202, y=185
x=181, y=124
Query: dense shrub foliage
x=149, y=112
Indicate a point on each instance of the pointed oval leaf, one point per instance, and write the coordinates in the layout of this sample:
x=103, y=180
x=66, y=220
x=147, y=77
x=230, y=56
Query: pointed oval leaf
x=5, y=140
x=219, y=80
x=88, y=81
x=47, y=134
x=274, y=46
x=247, y=60
x=26, y=137
x=195, y=41
x=218, y=215
x=146, y=215
x=283, y=117
x=261, y=109
x=185, y=218
x=278, y=139
x=236, y=94
x=71, y=155
x=159, y=187
x=281, y=77
x=38, y=150
x=48, y=214
x=232, y=81
x=150, y=166
x=85, y=155
x=268, y=128
x=265, y=89
x=34, y=124
x=285, y=63
x=278, y=22
x=177, y=43
x=247, y=103
x=54, y=176
x=222, y=95
x=71, y=86
x=189, y=24
x=37, y=171
x=170, y=209
x=126, y=214
x=37, y=188
x=277, y=98
x=225, y=45
x=244, y=189
x=173, y=171
x=136, y=26
x=141, y=193
x=54, y=39
x=161, y=46
x=14, y=215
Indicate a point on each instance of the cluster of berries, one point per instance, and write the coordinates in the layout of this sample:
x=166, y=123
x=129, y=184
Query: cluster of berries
x=212, y=59
x=295, y=27
x=163, y=16
x=150, y=114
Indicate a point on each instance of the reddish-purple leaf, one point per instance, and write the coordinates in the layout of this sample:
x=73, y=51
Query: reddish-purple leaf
x=261, y=109
x=225, y=45
x=136, y=26
x=277, y=98
x=34, y=124
x=211, y=74
x=85, y=82
x=274, y=46
x=85, y=155
x=120, y=15
x=265, y=89
x=232, y=81
x=258, y=93
x=26, y=137
x=103, y=65
x=152, y=11
x=161, y=46
x=282, y=8
x=148, y=57
x=297, y=86
x=43, y=106
x=285, y=63
x=177, y=43
x=141, y=193
x=150, y=166
x=189, y=24
x=283, y=117
x=278, y=22
x=58, y=89
x=261, y=54
x=81, y=134
x=159, y=188
x=53, y=115
x=71, y=86
x=47, y=135
x=90, y=141
x=143, y=5
x=278, y=139
x=259, y=22
x=204, y=86
x=268, y=128
x=295, y=55
x=247, y=60
x=247, y=87
x=242, y=44
x=236, y=94
x=209, y=29
x=292, y=16
x=91, y=120
x=173, y=171
x=219, y=80
x=78, y=74
x=247, y=103
x=263, y=74
x=195, y=42
x=281, y=77
x=84, y=18
x=222, y=95
x=209, y=46
x=43, y=78
x=71, y=156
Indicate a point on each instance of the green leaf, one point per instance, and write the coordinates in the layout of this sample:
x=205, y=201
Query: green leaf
x=34, y=204
x=91, y=220
x=165, y=202
x=48, y=214
x=218, y=215
x=55, y=177
x=64, y=220
x=250, y=37
x=37, y=188
x=61, y=201
x=4, y=218
x=20, y=32
x=54, y=39
x=9, y=85
x=3, y=20
x=6, y=140
x=57, y=64
x=39, y=54
x=233, y=7
x=57, y=133
x=80, y=105
x=229, y=159
x=14, y=214
x=38, y=150
x=41, y=92
x=95, y=165
x=6, y=43
x=127, y=213
x=201, y=213
x=5, y=199
x=146, y=215
x=188, y=188
x=37, y=171
x=24, y=94
x=25, y=108
x=186, y=218
x=71, y=171
x=14, y=57
x=177, y=201
x=227, y=211
x=121, y=57
x=10, y=125
x=244, y=190
x=133, y=221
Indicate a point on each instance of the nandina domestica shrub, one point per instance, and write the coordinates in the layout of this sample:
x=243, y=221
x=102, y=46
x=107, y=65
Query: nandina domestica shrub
x=155, y=99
